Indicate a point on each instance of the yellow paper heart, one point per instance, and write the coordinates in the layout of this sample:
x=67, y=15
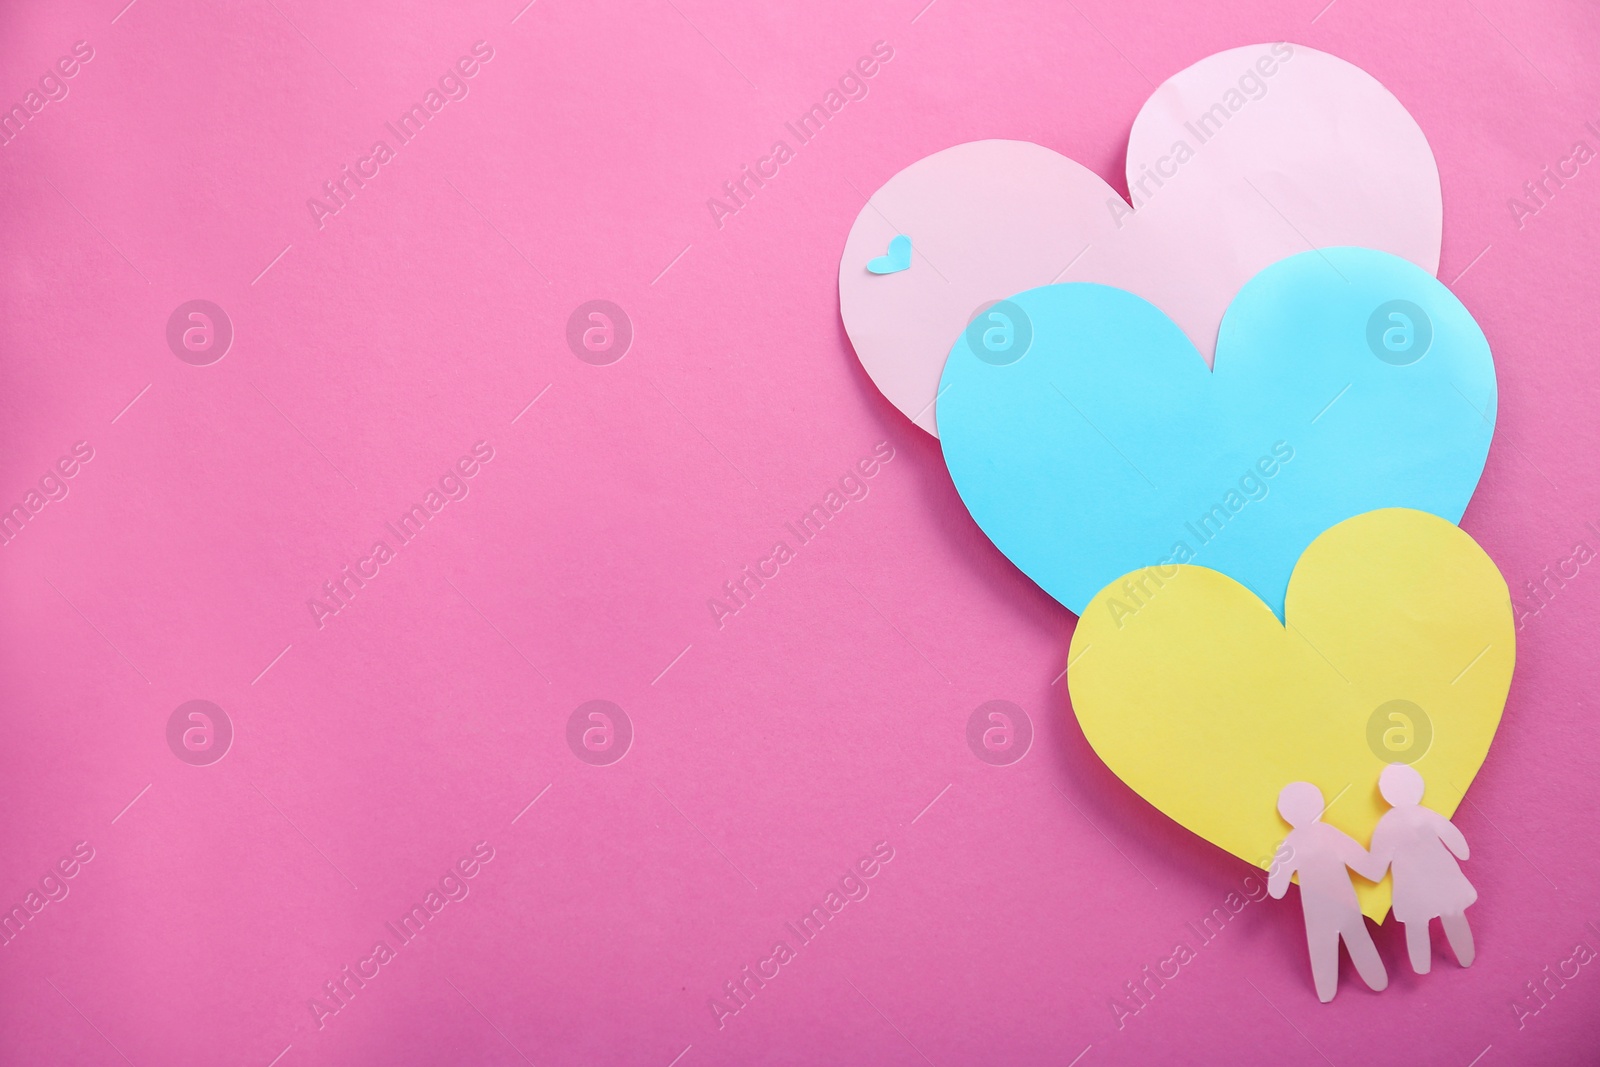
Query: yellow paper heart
x=1194, y=695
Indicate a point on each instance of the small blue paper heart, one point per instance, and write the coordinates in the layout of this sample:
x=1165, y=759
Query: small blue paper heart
x=1088, y=439
x=898, y=259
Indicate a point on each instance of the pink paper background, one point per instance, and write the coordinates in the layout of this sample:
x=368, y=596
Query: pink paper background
x=826, y=715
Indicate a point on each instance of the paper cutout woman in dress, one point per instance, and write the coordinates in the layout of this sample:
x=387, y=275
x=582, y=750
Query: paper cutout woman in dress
x=1416, y=844
x=1319, y=854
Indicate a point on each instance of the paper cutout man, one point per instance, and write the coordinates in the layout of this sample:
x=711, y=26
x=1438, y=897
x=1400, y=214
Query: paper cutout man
x=1319, y=854
x=1416, y=844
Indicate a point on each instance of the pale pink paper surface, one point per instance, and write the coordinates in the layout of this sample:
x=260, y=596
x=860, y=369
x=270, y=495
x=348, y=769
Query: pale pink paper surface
x=824, y=717
x=1251, y=155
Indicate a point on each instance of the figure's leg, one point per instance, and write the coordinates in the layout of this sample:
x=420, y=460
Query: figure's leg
x=1459, y=934
x=1364, y=954
x=1323, y=943
x=1418, y=946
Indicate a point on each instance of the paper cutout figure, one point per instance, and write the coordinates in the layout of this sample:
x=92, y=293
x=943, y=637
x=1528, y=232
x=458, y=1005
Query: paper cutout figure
x=1108, y=446
x=897, y=259
x=1217, y=157
x=1420, y=847
x=1317, y=857
x=1199, y=699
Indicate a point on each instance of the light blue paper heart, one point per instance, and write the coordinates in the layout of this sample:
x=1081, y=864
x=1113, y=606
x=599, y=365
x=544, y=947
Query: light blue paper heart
x=897, y=259
x=1088, y=439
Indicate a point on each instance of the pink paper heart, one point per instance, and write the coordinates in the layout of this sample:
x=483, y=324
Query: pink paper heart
x=1248, y=157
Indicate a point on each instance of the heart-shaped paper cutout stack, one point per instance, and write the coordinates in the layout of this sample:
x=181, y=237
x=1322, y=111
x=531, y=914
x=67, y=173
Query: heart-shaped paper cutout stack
x=1195, y=695
x=1246, y=157
x=1108, y=445
x=1314, y=476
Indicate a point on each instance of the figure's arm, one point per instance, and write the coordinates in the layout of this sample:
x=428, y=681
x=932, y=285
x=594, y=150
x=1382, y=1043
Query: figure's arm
x=1453, y=839
x=1382, y=853
x=1366, y=864
x=1278, y=878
